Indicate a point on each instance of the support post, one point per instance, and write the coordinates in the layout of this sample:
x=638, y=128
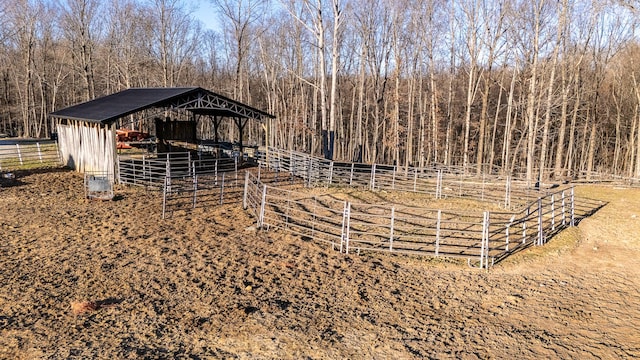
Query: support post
x=415, y=179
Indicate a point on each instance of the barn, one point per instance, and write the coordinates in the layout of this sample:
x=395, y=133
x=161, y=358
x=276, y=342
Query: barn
x=86, y=132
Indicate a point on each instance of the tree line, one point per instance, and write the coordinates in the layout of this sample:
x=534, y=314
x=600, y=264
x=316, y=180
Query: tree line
x=547, y=88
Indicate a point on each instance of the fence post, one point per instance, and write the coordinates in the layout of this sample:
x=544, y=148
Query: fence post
x=344, y=237
x=573, y=208
x=540, y=225
x=483, y=181
x=19, y=154
x=144, y=162
x=39, y=152
x=351, y=175
x=348, y=225
x=262, y=205
x=164, y=197
x=195, y=189
x=484, y=244
x=308, y=184
x=393, y=179
x=279, y=161
x=330, y=172
x=118, y=166
x=524, y=229
x=246, y=189
x=235, y=169
x=415, y=178
x=438, y=232
x=373, y=177
x=564, y=212
x=439, y=185
x=313, y=222
x=167, y=172
x=506, y=248
x=553, y=212
x=215, y=172
x=292, y=164
x=222, y=189
x=507, y=193
x=393, y=213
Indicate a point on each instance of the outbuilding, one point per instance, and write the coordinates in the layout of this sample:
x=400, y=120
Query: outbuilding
x=86, y=132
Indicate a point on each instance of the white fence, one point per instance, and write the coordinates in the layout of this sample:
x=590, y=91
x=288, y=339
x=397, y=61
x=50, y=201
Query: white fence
x=29, y=154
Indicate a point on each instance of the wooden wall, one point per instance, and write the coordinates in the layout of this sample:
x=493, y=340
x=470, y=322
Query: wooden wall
x=87, y=147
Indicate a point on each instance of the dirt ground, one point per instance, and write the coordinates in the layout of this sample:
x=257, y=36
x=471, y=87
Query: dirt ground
x=204, y=284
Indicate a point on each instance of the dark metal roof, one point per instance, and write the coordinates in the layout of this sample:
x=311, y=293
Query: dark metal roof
x=109, y=108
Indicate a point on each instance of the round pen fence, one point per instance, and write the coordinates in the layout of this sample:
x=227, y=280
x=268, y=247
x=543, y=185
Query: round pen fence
x=482, y=237
x=440, y=182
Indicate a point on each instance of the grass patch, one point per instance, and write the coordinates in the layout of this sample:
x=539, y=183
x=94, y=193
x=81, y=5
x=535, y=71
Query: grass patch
x=565, y=241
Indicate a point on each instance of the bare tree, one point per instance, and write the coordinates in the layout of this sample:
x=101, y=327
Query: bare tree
x=82, y=27
x=175, y=38
x=241, y=20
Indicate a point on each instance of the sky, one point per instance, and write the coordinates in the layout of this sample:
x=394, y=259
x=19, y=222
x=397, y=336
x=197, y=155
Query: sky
x=205, y=12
